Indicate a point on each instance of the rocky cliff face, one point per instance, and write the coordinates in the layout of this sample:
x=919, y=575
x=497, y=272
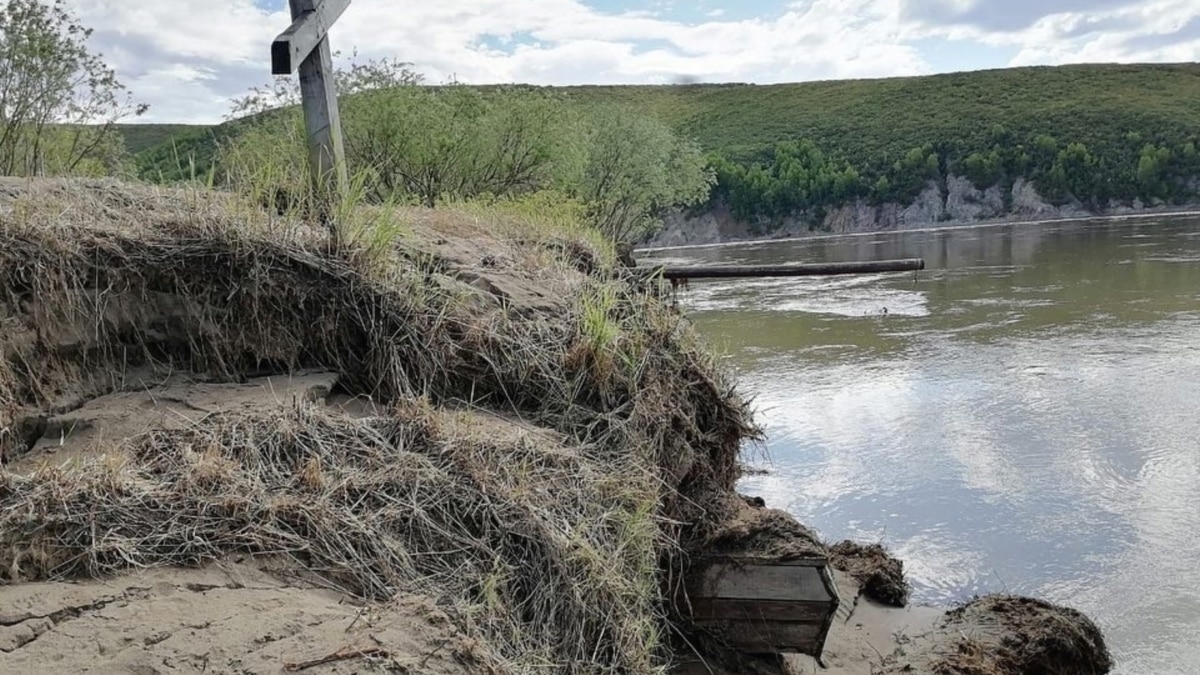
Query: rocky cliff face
x=958, y=202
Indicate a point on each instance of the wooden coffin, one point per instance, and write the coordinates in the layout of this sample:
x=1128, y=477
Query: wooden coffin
x=764, y=607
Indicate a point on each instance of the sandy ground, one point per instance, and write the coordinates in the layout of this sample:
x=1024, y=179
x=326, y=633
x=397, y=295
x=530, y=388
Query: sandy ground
x=230, y=618
x=865, y=632
x=242, y=616
x=172, y=403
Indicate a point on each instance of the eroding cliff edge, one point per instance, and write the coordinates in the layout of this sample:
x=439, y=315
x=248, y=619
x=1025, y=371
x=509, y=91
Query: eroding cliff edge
x=956, y=202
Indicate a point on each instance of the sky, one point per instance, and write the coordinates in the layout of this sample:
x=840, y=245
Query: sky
x=188, y=59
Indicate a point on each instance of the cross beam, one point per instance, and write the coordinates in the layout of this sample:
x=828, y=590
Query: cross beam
x=305, y=45
x=311, y=24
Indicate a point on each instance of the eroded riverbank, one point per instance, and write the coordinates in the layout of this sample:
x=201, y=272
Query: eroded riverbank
x=463, y=434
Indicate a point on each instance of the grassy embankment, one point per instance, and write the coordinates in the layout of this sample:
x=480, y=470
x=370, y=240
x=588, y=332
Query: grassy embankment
x=545, y=443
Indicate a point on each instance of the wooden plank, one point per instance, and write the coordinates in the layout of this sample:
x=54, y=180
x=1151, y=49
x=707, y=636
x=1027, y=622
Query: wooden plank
x=310, y=24
x=787, y=583
x=769, y=638
x=792, y=270
x=710, y=609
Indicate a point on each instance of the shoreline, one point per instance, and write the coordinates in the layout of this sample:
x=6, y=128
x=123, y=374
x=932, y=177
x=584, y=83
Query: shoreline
x=1191, y=211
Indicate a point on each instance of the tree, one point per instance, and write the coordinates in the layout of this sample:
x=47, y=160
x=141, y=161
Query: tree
x=59, y=102
x=429, y=144
x=636, y=169
x=1080, y=168
x=1152, y=170
x=284, y=90
x=458, y=143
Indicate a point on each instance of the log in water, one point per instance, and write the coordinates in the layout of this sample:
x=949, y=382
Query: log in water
x=792, y=270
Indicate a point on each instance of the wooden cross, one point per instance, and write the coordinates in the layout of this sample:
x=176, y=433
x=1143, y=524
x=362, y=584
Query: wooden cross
x=305, y=45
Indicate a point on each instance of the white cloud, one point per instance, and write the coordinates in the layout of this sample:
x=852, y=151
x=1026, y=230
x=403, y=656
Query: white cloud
x=1115, y=32
x=160, y=47
x=1144, y=34
x=188, y=59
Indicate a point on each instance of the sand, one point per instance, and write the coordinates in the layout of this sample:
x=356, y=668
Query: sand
x=228, y=618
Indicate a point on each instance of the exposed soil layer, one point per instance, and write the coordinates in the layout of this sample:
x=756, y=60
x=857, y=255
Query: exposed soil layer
x=752, y=530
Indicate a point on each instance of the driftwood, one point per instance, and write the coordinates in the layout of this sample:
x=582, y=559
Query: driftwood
x=791, y=270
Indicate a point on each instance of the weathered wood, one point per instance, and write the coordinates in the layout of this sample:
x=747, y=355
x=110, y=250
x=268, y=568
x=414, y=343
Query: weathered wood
x=307, y=31
x=730, y=609
x=792, y=583
x=791, y=270
x=764, y=606
x=773, y=638
x=318, y=91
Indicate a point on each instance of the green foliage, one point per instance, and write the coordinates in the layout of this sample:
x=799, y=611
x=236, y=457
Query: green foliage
x=266, y=162
x=453, y=143
x=1076, y=131
x=141, y=137
x=635, y=168
x=1153, y=171
x=188, y=155
x=357, y=78
x=58, y=101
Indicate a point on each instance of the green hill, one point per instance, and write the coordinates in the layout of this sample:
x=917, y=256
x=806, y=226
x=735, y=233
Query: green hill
x=188, y=153
x=142, y=137
x=1090, y=131
x=886, y=117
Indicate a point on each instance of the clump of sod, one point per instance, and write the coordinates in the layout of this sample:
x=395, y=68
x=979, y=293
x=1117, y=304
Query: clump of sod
x=557, y=557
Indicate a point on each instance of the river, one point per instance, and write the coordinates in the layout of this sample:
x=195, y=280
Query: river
x=1022, y=417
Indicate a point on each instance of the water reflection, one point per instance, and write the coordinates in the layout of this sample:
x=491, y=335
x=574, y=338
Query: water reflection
x=1023, y=417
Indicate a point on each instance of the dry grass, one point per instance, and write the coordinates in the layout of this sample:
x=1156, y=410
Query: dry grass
x=525, y=541
x=558, y=557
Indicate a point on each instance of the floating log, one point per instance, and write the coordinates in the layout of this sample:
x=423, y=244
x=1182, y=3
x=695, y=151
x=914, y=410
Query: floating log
x=791, y=270
x=763, y=606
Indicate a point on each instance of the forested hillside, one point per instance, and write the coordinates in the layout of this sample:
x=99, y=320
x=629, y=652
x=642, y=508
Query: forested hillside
x=1091, y=133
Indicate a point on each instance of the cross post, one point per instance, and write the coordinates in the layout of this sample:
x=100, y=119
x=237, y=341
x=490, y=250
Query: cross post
x=305, y=45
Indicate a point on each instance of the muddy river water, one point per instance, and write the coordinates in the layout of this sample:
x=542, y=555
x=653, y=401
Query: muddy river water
x=1023, y=416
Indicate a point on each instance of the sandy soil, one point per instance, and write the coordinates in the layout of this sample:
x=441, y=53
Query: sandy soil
x=865, y=633
x=173, y=403
x=231, y=618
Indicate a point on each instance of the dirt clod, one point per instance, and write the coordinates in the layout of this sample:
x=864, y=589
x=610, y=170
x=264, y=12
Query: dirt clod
x=1005, y=635
x=881, y=574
